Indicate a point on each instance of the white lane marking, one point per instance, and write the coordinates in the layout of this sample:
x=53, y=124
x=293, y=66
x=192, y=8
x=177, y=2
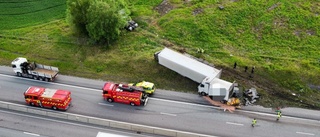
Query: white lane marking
x=168, y=114
x=186, y=103
x=70, y=123
x=53, y=83
x=105, y=104
x=237, y=124
x=310, y=134
x=31, y=134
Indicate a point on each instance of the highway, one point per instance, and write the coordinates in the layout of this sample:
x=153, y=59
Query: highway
x=161, y=110
x=13, y=124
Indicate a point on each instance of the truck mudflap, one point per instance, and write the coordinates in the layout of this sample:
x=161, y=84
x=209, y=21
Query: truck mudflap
x=67, y=106
x=145, y=101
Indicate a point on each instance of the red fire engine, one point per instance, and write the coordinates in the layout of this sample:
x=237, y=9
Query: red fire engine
x=48, y=98
x=124, y=94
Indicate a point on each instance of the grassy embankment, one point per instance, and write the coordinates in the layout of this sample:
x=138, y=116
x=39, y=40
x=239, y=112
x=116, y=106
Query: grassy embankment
x=280, y=38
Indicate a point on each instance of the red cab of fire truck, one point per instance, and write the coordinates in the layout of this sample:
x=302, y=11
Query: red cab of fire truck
x=113, y=92
x=48, y=98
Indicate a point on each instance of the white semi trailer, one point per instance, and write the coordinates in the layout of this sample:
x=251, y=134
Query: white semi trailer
x=206, y=75
x=23, y=68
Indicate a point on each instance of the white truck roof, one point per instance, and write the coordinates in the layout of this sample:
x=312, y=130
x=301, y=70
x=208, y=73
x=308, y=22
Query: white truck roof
x=190, y=65
x=19, y=61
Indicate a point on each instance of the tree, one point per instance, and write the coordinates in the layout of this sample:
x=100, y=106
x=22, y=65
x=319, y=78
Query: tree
x=101, y=20
x=76, y=14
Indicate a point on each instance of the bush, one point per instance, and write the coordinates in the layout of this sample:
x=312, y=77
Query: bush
x=100, y=20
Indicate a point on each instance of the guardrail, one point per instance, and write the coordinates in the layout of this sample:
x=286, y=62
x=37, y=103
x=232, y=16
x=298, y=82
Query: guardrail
x=99, y=121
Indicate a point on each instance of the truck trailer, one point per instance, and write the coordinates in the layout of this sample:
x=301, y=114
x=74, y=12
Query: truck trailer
x=23, y=68
x=206, y=75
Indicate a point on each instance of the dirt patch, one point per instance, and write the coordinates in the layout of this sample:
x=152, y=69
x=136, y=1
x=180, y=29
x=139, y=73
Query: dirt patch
x=164, y=7
x=311, y=32
x=197, y=11
x=274, y=6
x=280, y=23
x=297, y=33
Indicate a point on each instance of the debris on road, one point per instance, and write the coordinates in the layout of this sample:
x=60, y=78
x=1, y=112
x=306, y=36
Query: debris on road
x=250, y=96
x=219, y=104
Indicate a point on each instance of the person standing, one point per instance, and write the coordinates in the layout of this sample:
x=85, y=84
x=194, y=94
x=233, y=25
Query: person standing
x=252, y=72
x=278, y=115
x=235, y=65
x=245, y=68
x=254, y=121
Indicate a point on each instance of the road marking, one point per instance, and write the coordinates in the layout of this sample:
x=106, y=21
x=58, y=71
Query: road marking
x=237, y=124
x=31, y=134
x=178, y=102
x=186, y=103
x=52, y=83
x=310, y=134
x=168, y=114
x=105, y=104
x=70, y=123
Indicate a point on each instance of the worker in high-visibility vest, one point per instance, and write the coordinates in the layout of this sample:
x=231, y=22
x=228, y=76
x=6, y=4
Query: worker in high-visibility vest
x=278, y=115
x=254, y=121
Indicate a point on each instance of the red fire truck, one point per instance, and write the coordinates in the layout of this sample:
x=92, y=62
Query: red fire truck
x=48, y=98
x=124, y=94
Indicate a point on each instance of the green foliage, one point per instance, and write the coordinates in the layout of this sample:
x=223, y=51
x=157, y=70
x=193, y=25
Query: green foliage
x=77, y=11
x=100, y=20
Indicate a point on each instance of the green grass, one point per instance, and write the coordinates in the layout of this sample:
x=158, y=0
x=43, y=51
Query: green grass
x=281, y=41
x=23, y=13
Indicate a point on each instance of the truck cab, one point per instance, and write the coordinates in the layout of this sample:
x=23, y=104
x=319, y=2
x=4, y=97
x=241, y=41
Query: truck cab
x=17, y=65
x=216, y=87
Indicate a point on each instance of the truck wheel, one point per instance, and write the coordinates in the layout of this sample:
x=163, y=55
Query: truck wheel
x=19, y=74
x=110, y=100
x=35, y=77
x=132, y=104
x=31, y=104
x=203, y=94
x=54, y=107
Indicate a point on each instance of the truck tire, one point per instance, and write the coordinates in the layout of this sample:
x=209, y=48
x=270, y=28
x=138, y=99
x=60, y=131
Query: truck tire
x=31, y=104
x=110, y=100
x=54, y=107
x=203, y=94
x=19, y=74
x=132, y=104
x=35, y=77
x=41, y=78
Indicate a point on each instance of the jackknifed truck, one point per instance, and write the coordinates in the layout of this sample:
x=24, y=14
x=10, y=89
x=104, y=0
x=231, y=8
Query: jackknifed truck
x=23, y=68
x=205, y=74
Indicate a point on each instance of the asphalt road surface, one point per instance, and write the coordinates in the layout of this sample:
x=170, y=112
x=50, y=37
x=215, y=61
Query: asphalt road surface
x=165, y=113
x=14, y=124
